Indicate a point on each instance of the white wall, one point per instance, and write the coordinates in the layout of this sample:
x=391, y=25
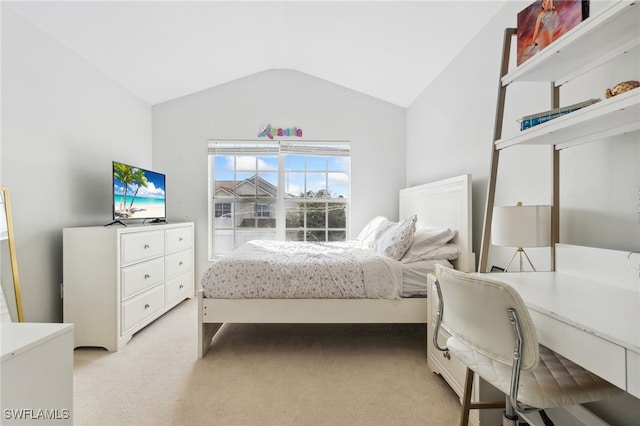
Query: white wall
x=283, y=98
x=450, y=132
x=453, y=119
x=63, y=122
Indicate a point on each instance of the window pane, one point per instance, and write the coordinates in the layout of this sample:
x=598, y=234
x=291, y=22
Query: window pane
x=294, y=184
x=337, y=215
x=316, y=163
x=245, y=163
x=316, y=236
x=222, y=241
x=223, y=162
x=316, y=215
x=295, y=215
x=294, y=162
x=268, y=163
x=224, y=175
x=245, y=185
x=294, y=235
x=338, y=185
x=316, y=185
x=267, y=184
x=337, y=236
x=222, y=209
x=223, y=188
x=244, y=214
x=338, y=164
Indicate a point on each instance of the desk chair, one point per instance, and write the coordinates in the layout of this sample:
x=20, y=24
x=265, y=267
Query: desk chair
x=493, y=335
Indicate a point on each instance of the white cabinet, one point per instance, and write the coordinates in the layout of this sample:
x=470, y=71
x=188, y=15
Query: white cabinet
x=37, y=373
x=118, y=280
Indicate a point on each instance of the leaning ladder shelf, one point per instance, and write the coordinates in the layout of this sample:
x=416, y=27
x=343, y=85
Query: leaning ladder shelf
x=598, y=39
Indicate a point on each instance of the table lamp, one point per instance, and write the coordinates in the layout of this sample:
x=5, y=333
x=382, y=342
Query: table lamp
x=521, y=226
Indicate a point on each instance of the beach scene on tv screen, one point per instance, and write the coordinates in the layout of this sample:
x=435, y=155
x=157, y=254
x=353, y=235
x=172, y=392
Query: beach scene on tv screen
x=137, y=193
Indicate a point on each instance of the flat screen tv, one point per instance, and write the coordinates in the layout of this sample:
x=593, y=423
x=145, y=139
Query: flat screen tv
x=138, y=193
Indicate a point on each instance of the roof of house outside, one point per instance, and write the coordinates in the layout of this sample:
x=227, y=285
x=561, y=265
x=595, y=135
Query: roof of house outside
x=232, y=188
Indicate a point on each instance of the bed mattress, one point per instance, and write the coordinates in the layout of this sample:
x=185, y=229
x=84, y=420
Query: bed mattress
x=287, y=269
x=298, y=270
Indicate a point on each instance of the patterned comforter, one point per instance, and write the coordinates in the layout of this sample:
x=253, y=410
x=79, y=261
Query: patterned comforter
x=298, y=270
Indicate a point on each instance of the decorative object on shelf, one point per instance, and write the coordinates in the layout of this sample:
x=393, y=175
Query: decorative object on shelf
x=619, y=88
x=521, y=226
x=544, y=21
x=532, y=120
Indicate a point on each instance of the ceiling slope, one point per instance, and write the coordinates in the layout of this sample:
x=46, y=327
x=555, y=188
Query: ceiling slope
x=162, y=50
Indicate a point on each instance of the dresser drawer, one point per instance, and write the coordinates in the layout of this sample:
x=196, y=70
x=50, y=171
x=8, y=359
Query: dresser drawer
x=141, y=246
x=178, y=239
x=179, y=287
x=177, y=263
x=141, y=307
x=141, y=276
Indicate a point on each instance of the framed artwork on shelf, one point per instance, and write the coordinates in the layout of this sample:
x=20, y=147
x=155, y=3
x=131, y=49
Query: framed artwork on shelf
x=544, y=21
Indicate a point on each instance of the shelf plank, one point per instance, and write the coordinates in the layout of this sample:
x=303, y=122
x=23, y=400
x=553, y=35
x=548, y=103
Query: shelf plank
x=583, y=47
x=610, y=117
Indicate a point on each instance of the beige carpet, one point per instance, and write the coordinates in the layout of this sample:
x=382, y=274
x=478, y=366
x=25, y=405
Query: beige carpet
x=263, y=375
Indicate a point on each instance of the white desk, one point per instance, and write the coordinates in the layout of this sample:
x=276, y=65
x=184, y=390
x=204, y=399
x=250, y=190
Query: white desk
x=593, y=322
x=37, y=373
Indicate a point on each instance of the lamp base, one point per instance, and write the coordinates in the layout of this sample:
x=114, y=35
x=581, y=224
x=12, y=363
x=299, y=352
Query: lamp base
x=520, y=251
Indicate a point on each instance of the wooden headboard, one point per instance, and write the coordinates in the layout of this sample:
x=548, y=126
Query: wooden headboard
x=444, y=204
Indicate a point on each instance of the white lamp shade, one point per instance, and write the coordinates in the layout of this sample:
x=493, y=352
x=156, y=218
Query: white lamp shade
x=521, y=226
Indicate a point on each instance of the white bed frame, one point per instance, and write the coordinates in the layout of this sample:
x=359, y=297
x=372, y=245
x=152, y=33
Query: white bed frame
x=442, y=204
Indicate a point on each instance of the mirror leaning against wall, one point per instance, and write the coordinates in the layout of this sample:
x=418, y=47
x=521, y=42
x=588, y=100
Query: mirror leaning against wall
x=10, y=297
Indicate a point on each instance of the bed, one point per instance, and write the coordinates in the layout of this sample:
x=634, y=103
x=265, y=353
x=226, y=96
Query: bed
x=437, y=205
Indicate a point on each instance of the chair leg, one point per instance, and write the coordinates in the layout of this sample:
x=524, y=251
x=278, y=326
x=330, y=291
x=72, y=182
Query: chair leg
x=466, y=398
x=509, y=415
x=467, y=405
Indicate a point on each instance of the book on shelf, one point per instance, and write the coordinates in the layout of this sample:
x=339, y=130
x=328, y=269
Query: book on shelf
x=532, y=120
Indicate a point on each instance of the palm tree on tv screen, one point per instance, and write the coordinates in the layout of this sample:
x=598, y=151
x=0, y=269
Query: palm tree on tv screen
x=124, y=174
x=138, y=179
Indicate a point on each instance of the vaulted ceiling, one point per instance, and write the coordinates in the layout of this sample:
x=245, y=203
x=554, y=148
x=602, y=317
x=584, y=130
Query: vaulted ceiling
x=162, y=50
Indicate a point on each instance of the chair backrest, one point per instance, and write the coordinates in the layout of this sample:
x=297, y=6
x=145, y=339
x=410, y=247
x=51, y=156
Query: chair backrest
x=476, y=313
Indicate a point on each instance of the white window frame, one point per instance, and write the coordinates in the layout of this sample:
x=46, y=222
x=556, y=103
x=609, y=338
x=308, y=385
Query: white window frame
x=281, y=148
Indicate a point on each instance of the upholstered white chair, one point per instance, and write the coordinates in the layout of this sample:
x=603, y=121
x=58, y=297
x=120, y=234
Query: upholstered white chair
x=493, y=335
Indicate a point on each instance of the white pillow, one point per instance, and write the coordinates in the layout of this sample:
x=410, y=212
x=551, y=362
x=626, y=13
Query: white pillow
x=445, y=252
x=425, y=241
x=368, y=233
x=393, y=239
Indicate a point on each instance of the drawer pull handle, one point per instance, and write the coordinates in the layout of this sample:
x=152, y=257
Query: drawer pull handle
x=180, y=263
x=146, y=246
x=147, y=306
x=180, y=239
x=446, y=354
x=147, y=276
x=181, y=287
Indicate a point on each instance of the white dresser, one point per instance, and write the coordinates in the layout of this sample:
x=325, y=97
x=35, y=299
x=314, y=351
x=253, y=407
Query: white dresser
x=37, y=373
x=117, y=280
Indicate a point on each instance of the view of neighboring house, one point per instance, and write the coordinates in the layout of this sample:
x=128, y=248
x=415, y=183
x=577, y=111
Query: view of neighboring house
x=242, y=203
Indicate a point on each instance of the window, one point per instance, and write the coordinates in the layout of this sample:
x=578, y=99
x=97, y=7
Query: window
x=277, y=190
x=223, y=210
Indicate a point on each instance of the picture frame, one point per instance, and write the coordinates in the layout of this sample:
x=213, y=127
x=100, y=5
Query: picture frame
x=544, y=21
